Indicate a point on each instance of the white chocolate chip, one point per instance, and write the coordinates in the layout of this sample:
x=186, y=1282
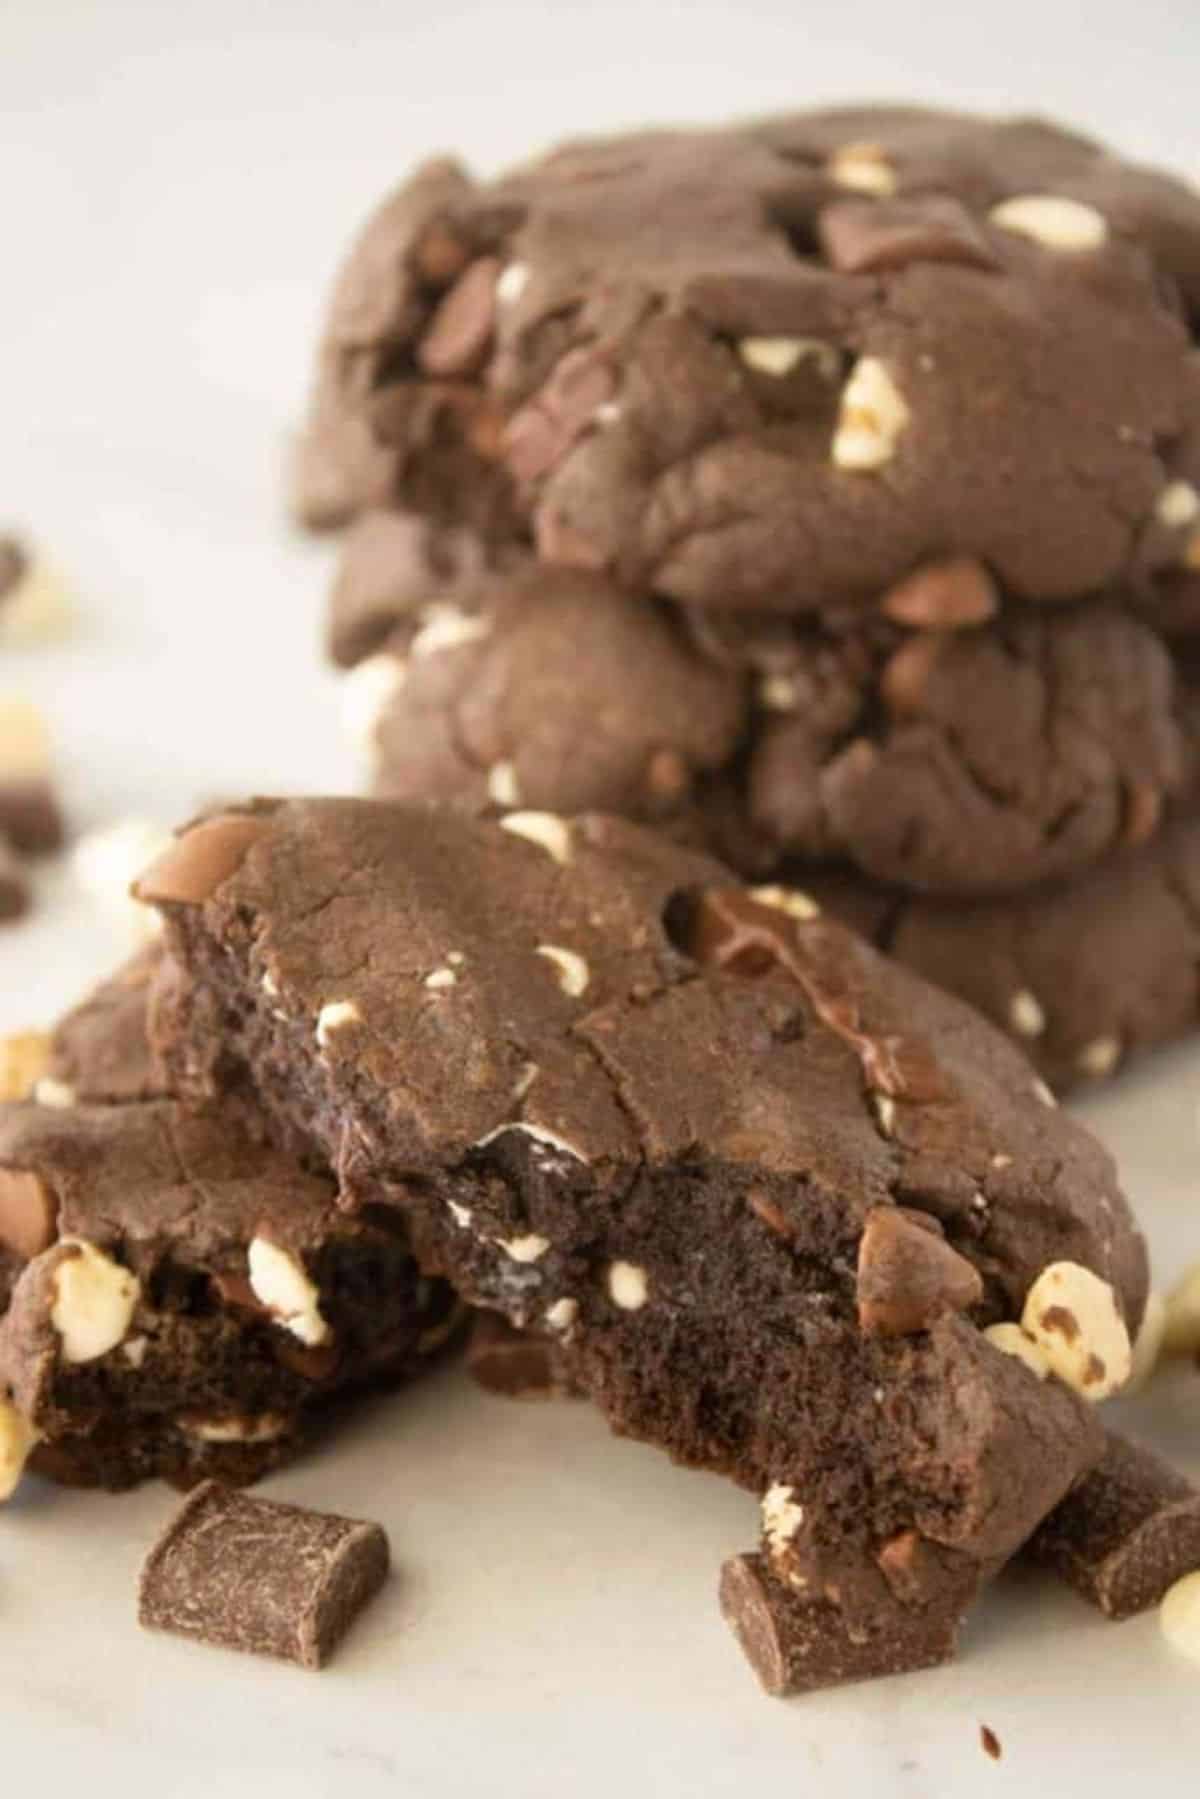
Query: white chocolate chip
x=1000, y=1160
x=56, y=1094
x=1072, y=1315
x=106, y=863
x=24, y=740
x=1182, y=1336
x=778, y=693
x=445, y=627
x=627, y=1286
x=334, y=1016
x=562, y=1314
x=1099, y=1057
x=1025, y=1014
x=24, y=1058
x=38, y=608
x=778, y=356
x=461, y=1215
x=525, y=1249
x=455, y=958
x=366, y=692
x=570, y=968
x=1148, y=1344
x=546, y=829
x=1179, y=1616
x=1052, y=221
x=134, y=1350
x=511, y=283
x=1017, y=1342
x=94, y=1301
x=548, y=1139
x=863, y=167
x=440, y=979
x=278, y=1280
x=797, y=905
x=608, y=413
x=270, y=985
x=502, y=785
x=1042, y=1092
x=782, y=1517
x=17, y=1438
x=263, y=1429
x=525, y=1080
x=885, y=1112
x=1177, y=505
x=871, y=418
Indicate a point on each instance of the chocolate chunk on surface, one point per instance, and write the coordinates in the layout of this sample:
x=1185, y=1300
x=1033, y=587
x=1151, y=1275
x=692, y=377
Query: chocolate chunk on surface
x=633, y=1109
x=1126, y=1533
x=798, y=1643
x=261, y=1577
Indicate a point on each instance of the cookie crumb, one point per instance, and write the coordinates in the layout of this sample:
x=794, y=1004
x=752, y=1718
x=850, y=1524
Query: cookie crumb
x=990, y=1743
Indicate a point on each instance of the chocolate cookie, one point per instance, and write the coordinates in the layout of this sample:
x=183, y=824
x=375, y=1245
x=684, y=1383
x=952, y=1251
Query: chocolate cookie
x=1083, y=974
x=785, y=365
x=181, y=1300
x=100, y=1052
x=970, y=761
x=767, y=1191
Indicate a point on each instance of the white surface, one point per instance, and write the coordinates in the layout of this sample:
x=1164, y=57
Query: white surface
x=175, y=182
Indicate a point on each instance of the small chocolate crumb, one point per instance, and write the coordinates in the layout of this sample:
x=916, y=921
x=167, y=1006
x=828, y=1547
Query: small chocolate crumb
x=990, y=1742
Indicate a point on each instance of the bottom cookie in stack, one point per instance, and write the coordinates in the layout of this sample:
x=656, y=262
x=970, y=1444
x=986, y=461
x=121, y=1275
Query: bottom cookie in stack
x=181, y=1300
x=1084, y=974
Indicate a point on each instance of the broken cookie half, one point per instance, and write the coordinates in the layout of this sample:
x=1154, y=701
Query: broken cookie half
x=765, y=1191
x=177, y=1299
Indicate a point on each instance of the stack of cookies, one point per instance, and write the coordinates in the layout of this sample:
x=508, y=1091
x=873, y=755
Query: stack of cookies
x=823, y=492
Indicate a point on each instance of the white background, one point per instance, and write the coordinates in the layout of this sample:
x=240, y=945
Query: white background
x=176, y=181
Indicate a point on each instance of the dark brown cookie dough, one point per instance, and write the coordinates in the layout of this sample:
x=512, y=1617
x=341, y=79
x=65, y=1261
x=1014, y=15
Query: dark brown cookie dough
x=1083, y=975
x=786, y=364
x=671, y=1132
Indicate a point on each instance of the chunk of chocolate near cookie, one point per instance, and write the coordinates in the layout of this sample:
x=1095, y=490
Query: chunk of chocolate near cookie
x=265, y=1578
x=661, y=1121
x=181, y=1300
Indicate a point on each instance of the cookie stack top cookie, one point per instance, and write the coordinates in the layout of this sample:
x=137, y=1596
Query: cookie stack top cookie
x=868, y=442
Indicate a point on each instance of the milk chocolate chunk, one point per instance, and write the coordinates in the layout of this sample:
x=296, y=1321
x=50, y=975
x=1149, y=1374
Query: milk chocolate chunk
x=908, y=1274
x=648, y=1116
x=196, y=864
x=1125, y=1533
x=261, y=1577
